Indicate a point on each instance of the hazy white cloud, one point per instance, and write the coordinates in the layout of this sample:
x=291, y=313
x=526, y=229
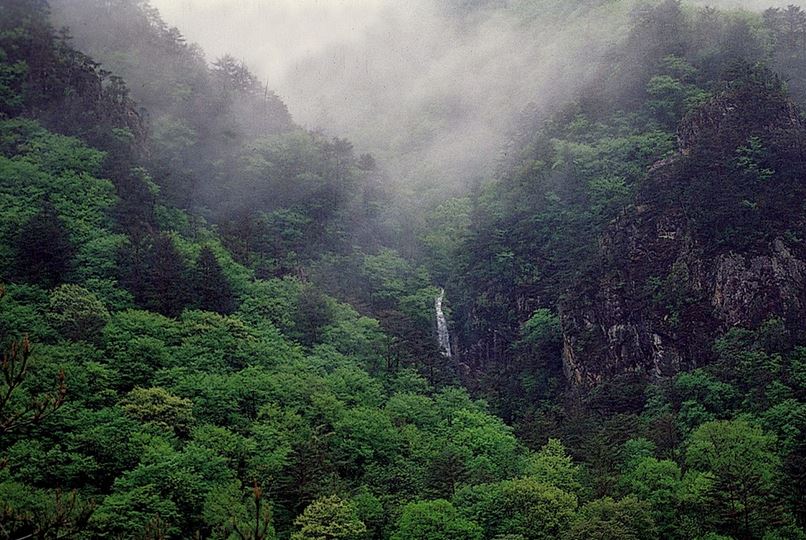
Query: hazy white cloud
x=430, y=93
x=755, y=5
x=271, y=35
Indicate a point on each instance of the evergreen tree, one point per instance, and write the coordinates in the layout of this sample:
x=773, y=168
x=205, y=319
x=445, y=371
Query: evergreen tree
x=313, y=314
x=43, y=249
x=211, y=290
x=165, y=286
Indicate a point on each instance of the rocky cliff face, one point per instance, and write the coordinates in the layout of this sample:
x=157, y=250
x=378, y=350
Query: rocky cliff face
x=682, y=264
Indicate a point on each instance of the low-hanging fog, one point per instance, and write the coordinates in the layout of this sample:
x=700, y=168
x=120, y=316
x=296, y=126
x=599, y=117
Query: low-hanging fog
x=430, y=88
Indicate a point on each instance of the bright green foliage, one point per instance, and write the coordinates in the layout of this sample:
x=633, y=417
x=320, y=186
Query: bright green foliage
x=484, y=444
x=233, y=511
x=388, y=277
x=357, y=336
x=363, y=435
x=435, y=520
x=405, y=408
x=272, y=301
x=183, y=478
x=608, y=519
x=401, y=297
x=553, y=466
x=157, y=407
x=329, y=518
x=370, y=511
x=243, y=311
x=23, y=312
x=42, y=511
x=139, y=343
x=539, y=344
x=673, y=498
x=542, y=326
x=106, y=441
x=212, y=342
x=525, y=506
x=27, y=142
x=707, y=390
x=76, y=313
x=744, y=470
x=236, y=448
x=672, y=93
x=58, y=175
x=786, y=419
x=91, y=381
x=128, y=513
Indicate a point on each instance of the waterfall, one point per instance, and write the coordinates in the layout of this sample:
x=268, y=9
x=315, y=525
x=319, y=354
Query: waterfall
x=443, y=338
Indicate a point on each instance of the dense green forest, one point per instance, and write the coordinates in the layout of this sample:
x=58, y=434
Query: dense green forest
x=211, y=327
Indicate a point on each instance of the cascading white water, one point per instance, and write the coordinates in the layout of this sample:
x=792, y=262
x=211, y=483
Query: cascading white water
x=442, y=326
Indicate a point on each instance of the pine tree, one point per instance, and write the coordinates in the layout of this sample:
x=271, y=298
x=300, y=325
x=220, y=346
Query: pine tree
x=165, y=285
x=42, y=248
x=211, y=290
x=313, y=314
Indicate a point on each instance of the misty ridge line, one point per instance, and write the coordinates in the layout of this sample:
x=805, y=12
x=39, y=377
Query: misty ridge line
x=432, y=89
x=428, y=91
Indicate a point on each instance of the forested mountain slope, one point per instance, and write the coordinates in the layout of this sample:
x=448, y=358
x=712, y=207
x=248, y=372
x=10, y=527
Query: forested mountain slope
x=199, y=114
x=712, y=241
x=645, y=245
x=207, y=331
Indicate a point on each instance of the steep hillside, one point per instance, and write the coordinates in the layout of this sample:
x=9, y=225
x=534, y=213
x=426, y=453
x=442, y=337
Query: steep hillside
x=682, y=161
x=636, y=269
x=713, y=240
x=198, y=114
x=207, y=332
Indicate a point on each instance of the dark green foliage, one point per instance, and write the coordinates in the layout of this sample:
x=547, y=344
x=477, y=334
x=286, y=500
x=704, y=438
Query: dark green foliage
x=748, y=163
x=63, y=88
x=210, y=289
x=313, y=314
x=227, y=340
x=43, y=251
x=788, y=28
x=11, y=76
x=156, y=275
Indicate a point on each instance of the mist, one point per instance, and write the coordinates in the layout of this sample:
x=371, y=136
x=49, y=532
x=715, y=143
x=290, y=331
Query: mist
x=430, y=88
x=402, y=269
